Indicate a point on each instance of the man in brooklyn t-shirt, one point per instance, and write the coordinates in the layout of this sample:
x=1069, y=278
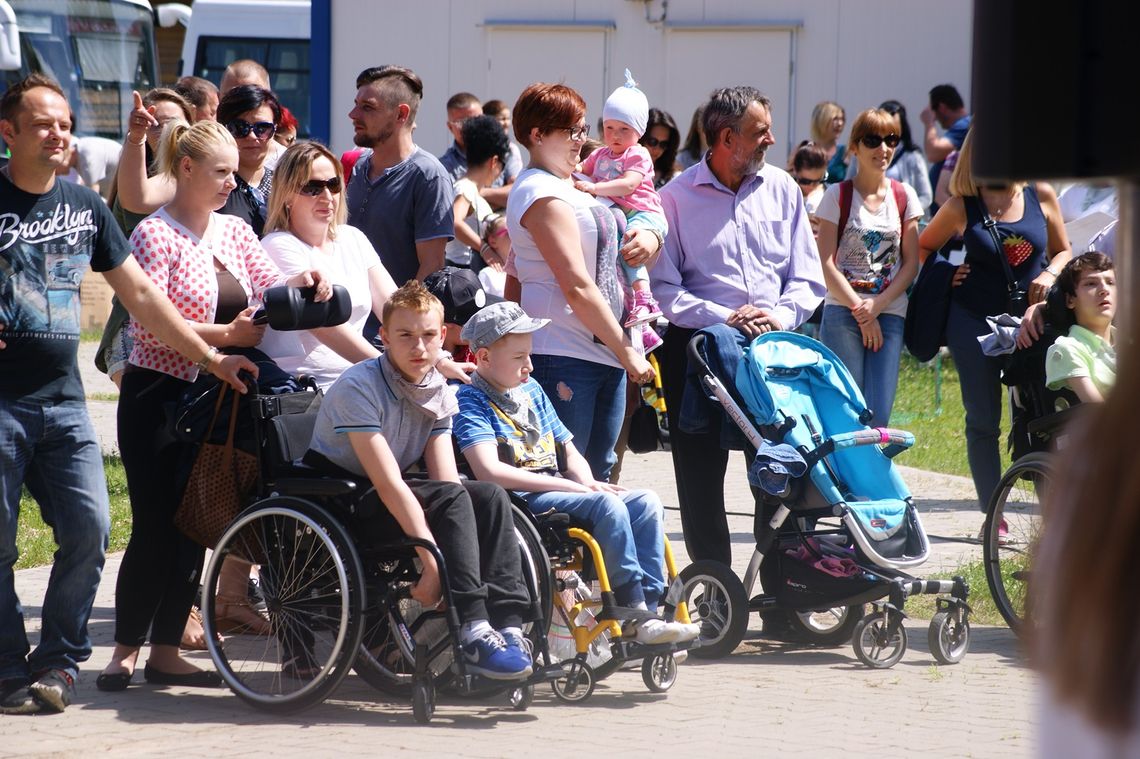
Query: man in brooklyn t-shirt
x=50, y=232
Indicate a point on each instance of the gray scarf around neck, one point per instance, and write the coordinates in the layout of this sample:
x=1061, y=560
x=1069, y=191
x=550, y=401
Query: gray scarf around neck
x=515, y=403
x=433, y=396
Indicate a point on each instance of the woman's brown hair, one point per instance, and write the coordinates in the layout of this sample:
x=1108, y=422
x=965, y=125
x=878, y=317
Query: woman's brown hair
x=546, y=107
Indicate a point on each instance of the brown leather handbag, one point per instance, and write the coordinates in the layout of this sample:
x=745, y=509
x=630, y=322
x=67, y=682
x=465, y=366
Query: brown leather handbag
x=219, y=485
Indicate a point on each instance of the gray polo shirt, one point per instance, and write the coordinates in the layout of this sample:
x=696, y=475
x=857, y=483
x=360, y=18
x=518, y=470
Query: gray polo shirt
x=363, y=400
x=409, y=203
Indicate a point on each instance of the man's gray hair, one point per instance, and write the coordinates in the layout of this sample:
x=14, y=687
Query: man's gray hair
x=726, y=108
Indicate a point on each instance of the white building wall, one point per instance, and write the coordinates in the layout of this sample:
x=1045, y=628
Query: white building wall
x=857, y=52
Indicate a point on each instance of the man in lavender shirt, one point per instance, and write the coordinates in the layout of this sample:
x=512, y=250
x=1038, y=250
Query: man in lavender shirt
x=740, y=252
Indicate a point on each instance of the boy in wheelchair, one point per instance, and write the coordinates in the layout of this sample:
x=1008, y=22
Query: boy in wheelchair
x=1084, y=359
x=380, y=418
x=510, y=434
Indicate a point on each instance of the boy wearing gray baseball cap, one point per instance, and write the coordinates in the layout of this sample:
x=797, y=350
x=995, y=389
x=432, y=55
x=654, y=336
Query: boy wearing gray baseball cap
x=503, y=410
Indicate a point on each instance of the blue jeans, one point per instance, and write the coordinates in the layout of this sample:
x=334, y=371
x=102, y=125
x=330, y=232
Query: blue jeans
x=53, y=450
x=589, y=398
x=628, y=528
x=876, y=373
x=979, y=377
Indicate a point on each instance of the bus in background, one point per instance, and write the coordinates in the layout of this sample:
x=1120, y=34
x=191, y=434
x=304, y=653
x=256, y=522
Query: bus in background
x=275, y=33
x=98, y=51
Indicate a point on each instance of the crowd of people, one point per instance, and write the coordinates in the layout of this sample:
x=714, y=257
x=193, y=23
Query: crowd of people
x=547, y=284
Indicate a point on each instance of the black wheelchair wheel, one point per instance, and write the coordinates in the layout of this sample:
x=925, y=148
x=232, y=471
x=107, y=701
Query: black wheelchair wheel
x=382, y=660
x=313, y=587
x=1012, y=533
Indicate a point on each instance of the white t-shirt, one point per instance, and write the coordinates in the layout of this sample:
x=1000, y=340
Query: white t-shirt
x=812, y=200
x=456, y=252
x=542, y=298
x=301, y=352
x=870, y=251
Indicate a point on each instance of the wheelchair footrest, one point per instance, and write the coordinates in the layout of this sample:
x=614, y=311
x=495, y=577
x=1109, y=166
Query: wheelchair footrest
x=622, y=613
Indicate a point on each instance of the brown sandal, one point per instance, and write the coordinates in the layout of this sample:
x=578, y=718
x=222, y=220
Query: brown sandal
x=191, y=641
x=234, y=615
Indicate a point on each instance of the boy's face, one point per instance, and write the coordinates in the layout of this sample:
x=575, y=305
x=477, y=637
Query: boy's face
x=413, y=340
x=505, y=363
x=618, y=135
x=1095, y=299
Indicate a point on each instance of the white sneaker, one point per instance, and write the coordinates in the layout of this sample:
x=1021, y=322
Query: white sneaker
x=685, y=631
x=651, y=631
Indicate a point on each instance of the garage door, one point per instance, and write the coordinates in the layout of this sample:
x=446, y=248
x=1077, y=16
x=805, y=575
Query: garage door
x=700, y=59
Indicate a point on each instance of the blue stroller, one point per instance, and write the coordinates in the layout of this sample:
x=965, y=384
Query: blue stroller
x=838, y=528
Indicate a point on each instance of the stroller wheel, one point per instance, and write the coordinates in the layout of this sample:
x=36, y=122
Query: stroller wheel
x=717, y=601
x=876, y=645
x=828, y=627
x=659, y=672
x=949, y=637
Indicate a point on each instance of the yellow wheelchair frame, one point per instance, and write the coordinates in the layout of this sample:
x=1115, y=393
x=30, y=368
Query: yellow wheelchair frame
x=658, y=666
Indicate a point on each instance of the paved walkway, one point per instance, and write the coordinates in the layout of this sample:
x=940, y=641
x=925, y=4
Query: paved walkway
x=767, y=698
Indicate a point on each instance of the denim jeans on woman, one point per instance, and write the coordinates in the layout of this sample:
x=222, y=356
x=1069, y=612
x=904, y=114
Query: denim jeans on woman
x=980, y=378
x=53, y=450
x=589, y=398
x=628, y=528
x=876, y=373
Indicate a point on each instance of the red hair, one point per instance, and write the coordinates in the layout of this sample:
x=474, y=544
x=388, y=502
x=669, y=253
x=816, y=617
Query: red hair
x=288, y=120
x=546, y=107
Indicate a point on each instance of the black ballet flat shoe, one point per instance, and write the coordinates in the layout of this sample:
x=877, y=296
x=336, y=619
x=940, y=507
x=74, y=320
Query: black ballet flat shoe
x=200, y=679
x=114, y=682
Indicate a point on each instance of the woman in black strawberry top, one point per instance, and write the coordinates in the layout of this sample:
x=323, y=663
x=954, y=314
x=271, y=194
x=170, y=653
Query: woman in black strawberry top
x=1034, y=248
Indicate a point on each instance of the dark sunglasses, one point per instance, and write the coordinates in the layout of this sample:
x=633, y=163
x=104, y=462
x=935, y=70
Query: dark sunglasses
x=873, y=141
x=261, y=130
x=653, y=142
x=315, y=187
x=810, y=181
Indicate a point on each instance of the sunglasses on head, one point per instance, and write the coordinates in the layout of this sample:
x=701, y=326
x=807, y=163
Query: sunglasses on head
x=653, y=142
x=873, y=141
x=315, y=187
x=262, y=129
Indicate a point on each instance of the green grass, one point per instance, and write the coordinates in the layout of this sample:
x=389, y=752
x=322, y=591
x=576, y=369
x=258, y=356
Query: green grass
x=983, y=611
x=34, y=538
x=939, y=428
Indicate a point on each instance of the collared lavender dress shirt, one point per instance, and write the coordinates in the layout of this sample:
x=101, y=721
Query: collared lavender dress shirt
x=726, y=249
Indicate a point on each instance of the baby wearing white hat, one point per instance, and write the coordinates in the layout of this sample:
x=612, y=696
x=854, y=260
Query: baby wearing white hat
x=622, y=171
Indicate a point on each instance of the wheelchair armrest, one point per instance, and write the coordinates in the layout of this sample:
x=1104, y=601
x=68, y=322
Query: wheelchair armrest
x=324, y=486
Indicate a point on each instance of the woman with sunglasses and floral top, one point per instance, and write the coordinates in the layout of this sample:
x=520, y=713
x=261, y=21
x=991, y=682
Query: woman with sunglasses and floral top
x=251, y=114
x=307, y=230
x=869, y=263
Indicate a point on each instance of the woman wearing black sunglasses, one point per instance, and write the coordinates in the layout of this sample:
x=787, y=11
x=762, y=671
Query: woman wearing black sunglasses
x=868, y=243
x=251, y=114
x=307, y=230
x=661, y=139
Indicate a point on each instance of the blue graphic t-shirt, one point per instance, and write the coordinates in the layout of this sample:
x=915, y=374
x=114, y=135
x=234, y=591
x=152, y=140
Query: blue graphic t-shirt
x=480, y=422
x=46, y=244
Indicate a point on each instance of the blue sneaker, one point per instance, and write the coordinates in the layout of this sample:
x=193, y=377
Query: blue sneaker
x=516, y=640
x=492, y=657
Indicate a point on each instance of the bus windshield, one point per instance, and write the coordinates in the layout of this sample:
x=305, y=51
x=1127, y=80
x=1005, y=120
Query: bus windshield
x=98, y=50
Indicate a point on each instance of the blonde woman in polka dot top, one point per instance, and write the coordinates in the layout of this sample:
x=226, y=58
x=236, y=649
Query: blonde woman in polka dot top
x=214, y=270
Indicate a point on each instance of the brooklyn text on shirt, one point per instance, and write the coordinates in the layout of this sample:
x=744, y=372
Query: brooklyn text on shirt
x=62, y=223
